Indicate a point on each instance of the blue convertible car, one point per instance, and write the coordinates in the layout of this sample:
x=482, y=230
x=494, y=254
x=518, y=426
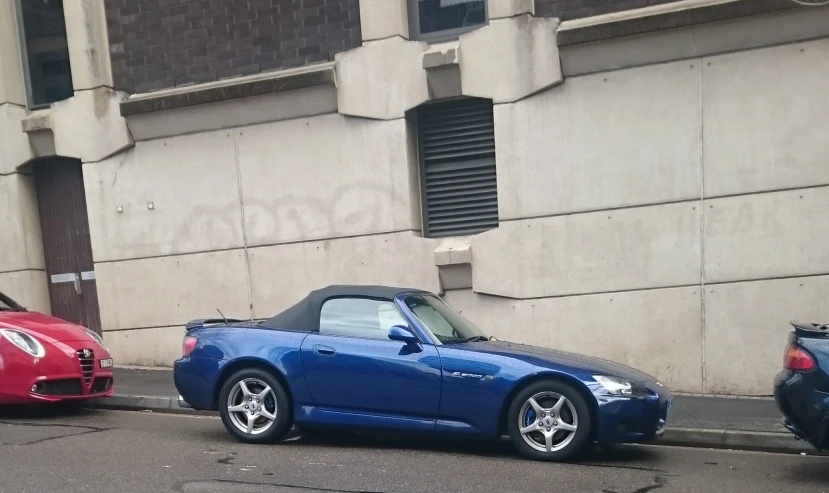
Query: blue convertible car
x=375, y=357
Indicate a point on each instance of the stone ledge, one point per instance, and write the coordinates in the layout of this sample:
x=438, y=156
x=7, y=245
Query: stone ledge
x=237, y=88
x=666, y=16
x=453, y=251
x=441, y=55
x=37, y=121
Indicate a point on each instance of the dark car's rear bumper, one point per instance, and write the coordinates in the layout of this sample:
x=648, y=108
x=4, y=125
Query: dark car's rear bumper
x=805, y=409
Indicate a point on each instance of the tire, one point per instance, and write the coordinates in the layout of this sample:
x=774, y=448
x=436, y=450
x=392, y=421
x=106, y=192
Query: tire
x=274, y=404
x=574, y=412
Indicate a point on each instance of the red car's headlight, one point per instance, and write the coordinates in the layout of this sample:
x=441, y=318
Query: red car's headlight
x=24, y=341
x=98, y=339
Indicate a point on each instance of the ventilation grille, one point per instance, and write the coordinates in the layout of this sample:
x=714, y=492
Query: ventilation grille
x=457, y=150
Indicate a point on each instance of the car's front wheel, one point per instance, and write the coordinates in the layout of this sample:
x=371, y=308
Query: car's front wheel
x=549, y=420
x=255, y=407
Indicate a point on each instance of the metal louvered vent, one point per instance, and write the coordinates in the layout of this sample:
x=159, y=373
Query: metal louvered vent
x=457, y=165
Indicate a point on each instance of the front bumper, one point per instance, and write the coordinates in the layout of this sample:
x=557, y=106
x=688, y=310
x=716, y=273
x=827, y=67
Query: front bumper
x=633, y=419
x=62, y=374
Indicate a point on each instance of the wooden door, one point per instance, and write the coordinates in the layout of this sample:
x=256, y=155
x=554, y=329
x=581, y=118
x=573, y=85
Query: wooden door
x=67, y=246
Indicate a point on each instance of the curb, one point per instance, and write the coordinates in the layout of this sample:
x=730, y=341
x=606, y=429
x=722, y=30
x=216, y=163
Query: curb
x=682, y=437
x=735, y=439
x=145, y=403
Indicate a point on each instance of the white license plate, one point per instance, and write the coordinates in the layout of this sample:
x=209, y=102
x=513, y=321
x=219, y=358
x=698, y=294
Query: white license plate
x=106, y=363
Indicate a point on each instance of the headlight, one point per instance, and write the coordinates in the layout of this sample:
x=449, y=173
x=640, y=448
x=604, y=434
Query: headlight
x=621, y=386
x=97, y=338
x=24, y=341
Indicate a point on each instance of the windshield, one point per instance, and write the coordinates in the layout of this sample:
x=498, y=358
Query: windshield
x=8, y=304
x=444, y=322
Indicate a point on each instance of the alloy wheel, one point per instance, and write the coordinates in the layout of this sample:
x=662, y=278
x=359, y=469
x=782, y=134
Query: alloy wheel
x=251, y=406
x=548, y=421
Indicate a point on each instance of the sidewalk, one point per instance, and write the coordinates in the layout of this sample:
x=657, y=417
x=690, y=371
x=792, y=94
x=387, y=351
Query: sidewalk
x=715, y=422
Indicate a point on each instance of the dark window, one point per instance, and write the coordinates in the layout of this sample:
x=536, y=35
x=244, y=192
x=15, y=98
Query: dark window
x=445, y=19
x=457, y=164
x=46, y=52
x=359, y=317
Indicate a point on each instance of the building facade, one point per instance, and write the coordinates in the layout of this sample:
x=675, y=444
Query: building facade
x=640, y=180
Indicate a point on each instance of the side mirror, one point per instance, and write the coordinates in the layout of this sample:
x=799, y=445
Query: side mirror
x=402, y=334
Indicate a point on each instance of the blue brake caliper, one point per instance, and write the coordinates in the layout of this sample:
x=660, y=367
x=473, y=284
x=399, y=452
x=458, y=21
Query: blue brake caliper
x=529, y=417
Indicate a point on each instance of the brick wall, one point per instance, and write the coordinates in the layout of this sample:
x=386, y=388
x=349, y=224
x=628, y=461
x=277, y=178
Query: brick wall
x=575, y=9
x=157, y=44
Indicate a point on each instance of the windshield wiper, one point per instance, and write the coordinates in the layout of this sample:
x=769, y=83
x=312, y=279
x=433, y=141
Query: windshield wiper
x=477, y=339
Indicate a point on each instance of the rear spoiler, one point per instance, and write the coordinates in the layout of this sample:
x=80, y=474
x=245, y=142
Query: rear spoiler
x=198, y=324
x=810, y=329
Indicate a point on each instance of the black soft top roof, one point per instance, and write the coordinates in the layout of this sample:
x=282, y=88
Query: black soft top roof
x=305, y=315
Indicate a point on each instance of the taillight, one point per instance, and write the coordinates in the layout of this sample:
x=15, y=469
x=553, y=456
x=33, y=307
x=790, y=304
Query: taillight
x=188, y=345
x=797, y=359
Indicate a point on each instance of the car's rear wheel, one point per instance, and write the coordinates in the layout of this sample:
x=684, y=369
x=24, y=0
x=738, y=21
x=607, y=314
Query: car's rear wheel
x=549, y=420
x=255, y=407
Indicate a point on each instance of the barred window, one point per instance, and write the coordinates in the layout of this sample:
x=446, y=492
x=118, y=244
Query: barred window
x=457, y=165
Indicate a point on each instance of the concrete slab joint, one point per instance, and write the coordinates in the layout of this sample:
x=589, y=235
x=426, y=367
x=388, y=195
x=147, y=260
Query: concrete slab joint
x=382, y=79
x=89, y=125
x=510, y=59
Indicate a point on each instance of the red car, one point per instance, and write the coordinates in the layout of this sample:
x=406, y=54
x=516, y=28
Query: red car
x=44, y=359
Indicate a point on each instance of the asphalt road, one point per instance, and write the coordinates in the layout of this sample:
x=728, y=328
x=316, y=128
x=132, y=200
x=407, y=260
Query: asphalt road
x=110, y=451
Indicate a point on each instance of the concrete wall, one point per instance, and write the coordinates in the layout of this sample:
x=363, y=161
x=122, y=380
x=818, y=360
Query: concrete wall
x=646, y=213
x=673, y=212
x=663, y=207
x=247, y=220
x=22, y=271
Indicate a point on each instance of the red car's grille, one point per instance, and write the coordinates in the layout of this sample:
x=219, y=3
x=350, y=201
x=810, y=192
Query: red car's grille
x=68, y=387
x=87, y=359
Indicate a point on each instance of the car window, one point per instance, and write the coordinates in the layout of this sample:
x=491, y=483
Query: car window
x=359, y=317
x=443, y=321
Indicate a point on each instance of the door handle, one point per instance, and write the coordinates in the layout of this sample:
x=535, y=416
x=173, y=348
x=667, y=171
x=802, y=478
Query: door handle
x=324, y=350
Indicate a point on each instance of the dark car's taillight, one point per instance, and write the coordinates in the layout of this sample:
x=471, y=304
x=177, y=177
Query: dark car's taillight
x=188, y=345
x=797, y=359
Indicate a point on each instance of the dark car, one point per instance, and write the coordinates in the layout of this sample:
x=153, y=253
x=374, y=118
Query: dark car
x=348, y=357
x=801, y=390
